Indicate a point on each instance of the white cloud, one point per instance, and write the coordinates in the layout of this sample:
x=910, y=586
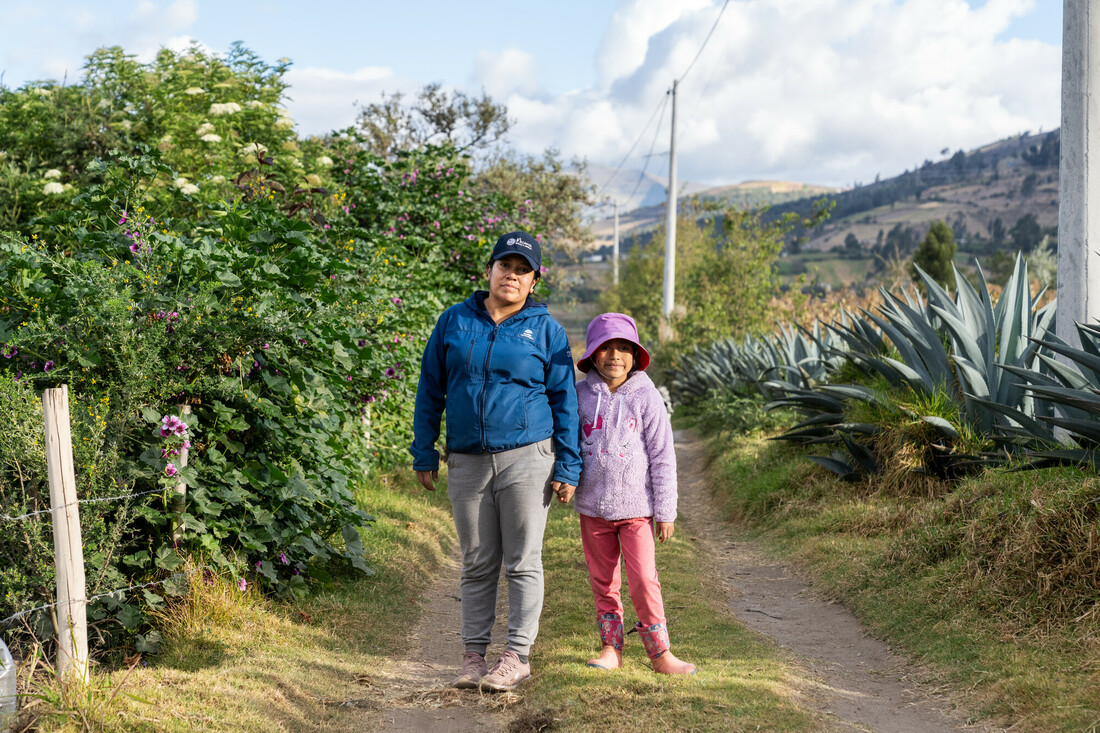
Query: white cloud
x=322, y=100
x=505, y=72
x=828, y=91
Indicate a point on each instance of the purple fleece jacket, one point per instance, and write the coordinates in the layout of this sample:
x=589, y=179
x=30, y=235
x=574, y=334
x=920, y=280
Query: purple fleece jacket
x=626, y=446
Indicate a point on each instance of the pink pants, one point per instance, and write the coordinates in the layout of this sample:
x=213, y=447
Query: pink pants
x=605, y=542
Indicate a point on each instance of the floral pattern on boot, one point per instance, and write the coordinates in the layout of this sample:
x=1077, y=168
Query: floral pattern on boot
x=654, y=639
x=611, y=630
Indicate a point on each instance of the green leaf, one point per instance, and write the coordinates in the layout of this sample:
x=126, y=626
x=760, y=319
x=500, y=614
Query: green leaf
x=228, y=278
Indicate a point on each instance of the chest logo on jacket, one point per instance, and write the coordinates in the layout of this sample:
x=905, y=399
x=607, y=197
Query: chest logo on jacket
x=528, y=334
x=589, y=427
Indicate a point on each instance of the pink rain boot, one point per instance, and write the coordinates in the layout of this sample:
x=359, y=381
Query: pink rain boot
x=611, y=636
x=655, y=640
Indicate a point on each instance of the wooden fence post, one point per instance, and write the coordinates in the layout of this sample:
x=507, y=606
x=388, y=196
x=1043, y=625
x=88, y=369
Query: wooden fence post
x=72, y=653
x=179, y=501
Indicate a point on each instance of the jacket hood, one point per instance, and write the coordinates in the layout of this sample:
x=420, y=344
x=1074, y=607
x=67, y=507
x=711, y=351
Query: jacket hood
x=637, y=381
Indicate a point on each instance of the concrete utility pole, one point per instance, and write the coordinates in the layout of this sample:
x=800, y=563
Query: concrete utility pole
x=615, y=250
x=670, y=242
x=1079, y=172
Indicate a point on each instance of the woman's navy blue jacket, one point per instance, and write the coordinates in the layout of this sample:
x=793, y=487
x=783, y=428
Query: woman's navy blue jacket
x=503, y=386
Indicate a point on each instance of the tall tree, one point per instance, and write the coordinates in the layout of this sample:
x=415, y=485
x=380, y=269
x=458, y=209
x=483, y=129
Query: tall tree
x=435, y=116
x=936, y=253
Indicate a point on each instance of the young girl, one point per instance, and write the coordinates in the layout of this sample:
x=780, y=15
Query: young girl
x=627, y=489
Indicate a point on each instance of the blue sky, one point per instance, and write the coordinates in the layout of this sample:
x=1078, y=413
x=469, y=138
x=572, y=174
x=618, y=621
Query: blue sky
x=822, y=91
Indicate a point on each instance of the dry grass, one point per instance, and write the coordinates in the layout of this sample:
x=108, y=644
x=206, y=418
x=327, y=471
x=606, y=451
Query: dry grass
x=237, y=661
x=994, y=579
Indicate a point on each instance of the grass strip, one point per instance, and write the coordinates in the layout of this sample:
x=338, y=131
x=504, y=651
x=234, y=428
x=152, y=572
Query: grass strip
x=963, y=579
x=236, y=661
x=744, y=682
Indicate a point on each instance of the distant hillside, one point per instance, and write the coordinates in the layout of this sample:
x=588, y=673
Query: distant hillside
x=992, y=197
x=643, y=220
x=998, y=198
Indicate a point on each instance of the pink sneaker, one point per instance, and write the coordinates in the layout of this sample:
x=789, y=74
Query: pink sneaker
x=506, y=674
x=473, y=669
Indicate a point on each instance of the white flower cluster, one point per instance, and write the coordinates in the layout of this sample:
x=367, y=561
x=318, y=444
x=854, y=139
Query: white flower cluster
x=194, y=90
x=224, y=108
x=254, y=104
x=52, y=173
x=204, y=129
x=185, y=186
x=53, y=187
x=211, y=138
x=252, y=149
x=324, y=160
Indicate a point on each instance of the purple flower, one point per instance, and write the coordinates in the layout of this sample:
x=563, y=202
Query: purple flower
x=135, y=248
x=283, y=558
x=370, y=398
x=47, y=366
x=267, y=346
x=187, y=444
x=123, y=219
x=170, y=470
x=10, y=351
x=258, y=564
x=391, y=372
x=362, y=342
x=242, y=585
x=396, y=301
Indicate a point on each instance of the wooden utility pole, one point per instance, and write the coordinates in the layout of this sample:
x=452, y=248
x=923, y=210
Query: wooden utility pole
x=669, y=299
x=1079, y=171
x=72, y=617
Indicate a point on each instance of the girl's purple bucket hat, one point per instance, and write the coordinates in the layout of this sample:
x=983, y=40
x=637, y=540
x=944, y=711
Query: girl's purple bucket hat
x=605, y=327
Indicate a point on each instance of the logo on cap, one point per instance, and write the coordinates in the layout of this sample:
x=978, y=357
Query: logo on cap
x=513, y=241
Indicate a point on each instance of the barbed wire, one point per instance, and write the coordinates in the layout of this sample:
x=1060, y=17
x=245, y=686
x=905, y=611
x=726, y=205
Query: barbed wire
x=81, y=501
x=174, y=576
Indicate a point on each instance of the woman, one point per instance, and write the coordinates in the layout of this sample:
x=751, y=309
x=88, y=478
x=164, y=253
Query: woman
x=501, y=367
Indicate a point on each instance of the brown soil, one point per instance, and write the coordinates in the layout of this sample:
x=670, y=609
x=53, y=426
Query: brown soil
x=861, y=685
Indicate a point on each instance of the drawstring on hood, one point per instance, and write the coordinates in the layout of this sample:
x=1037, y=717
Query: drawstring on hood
x=618, y=413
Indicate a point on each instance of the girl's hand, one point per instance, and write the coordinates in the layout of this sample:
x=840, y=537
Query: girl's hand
x=564, y=491
x=664, y=530
x=427, y=479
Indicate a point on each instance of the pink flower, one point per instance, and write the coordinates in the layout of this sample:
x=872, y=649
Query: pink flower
x=242, y=585
x=170, y=470
x=283, y=558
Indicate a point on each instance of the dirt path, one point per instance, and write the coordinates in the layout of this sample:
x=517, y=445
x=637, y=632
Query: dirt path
x=863, y=685
x=414, y=695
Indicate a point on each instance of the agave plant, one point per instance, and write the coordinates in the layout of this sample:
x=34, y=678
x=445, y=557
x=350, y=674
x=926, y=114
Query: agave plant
x=989, y=341
x=1072, y=396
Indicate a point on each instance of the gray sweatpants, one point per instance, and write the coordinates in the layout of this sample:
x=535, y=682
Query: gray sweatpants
x=500, y=503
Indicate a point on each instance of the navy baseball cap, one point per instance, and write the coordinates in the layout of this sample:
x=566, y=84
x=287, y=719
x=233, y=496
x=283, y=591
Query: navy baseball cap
x=519, y=243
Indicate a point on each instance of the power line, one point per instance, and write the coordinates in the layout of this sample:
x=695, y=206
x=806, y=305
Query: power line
x=700, y=52
x=659, y=107
x=649, y=155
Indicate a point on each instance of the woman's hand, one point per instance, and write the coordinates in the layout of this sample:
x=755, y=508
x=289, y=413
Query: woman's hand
x=427, y=479
x=664, y=530
x=564, y=491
